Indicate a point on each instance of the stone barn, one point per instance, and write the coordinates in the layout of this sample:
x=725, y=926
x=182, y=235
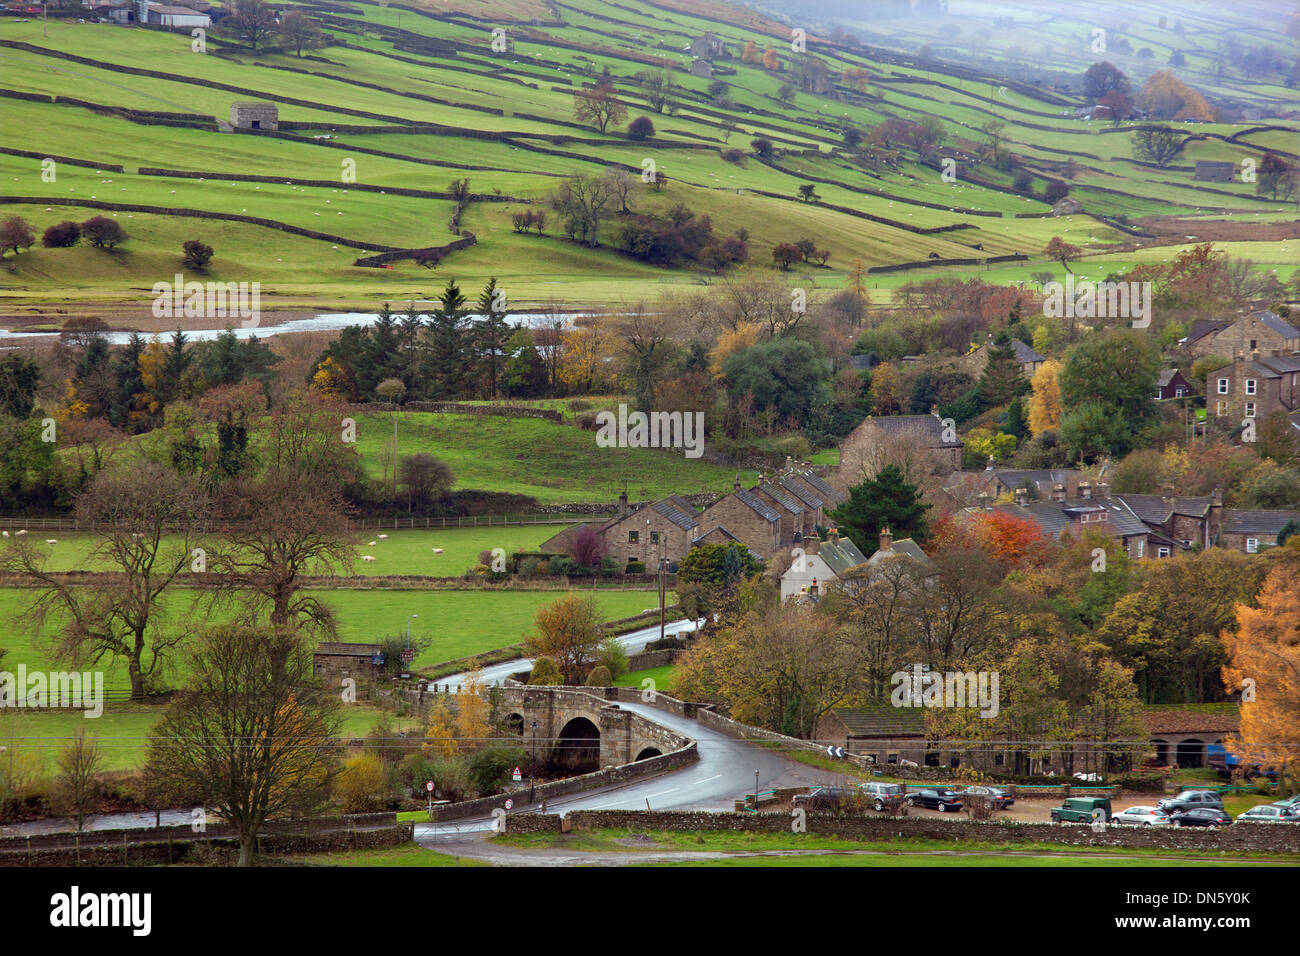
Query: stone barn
x=254, y=115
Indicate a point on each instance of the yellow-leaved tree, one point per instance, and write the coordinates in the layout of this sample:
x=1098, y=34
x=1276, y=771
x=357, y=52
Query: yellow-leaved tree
x=1264, y=665
x=472, y=714
x=440, y=737
x=1045, y=403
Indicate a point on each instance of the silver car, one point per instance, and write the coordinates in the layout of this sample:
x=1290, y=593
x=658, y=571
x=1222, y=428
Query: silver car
x=1141, y=817
x=1267, y=813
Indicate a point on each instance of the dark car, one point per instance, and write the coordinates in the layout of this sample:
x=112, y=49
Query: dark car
x=935, y=798
x=999, y=798
x=1202, y=817
x=1191, y=800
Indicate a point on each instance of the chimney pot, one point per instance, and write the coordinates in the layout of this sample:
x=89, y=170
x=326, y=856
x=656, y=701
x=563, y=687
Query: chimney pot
x=886, y=539
x=1058, y=492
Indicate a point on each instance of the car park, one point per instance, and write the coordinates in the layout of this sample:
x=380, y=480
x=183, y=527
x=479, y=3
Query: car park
x=1290, y=802
x=828, y=798
x=935, y=798
x=1211, y=817
x=1268, y=813
x=1141, y=817
x=1191, y=800
x=1082, y=810
x=997, y=796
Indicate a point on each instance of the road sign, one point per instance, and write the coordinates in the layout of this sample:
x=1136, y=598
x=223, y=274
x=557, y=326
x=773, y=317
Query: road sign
x=516, y=776
x=408, y=655
x=429, y=786
x=510, y=804
x=836, y=752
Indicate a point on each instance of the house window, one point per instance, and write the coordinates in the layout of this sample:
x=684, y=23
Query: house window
x=998, y=759
x=1254, y=344
x=654, y=537
x=1252, y=545
x=1223, y=386
x=892, y=758
x=1179, y=392
x=1250, y=386
x=1250, y=409
x=1142, y=547
x=1162, y=552
x=1218, y=408
x=633, y=537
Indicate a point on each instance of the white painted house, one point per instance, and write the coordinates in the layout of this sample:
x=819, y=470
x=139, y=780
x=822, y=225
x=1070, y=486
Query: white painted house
x=823, y=564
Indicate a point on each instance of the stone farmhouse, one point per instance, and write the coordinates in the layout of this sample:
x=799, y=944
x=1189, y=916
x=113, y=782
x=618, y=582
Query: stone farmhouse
x=865, y=449
x=1264, y=332
x=1254, y=387
x=973, y=363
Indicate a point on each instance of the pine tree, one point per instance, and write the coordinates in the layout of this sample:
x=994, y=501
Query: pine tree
x=128, y=383
x=175, y=364
x=447, y=346
x=493, y=333
x=887, y=500
x=1002, y=380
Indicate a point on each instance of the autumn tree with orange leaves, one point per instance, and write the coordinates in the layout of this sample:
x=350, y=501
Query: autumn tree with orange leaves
x=1264, y=666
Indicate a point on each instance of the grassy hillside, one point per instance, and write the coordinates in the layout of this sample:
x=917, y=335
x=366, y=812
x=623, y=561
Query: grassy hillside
x=505, y=120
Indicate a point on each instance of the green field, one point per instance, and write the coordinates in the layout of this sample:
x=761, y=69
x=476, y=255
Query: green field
x=433, y=110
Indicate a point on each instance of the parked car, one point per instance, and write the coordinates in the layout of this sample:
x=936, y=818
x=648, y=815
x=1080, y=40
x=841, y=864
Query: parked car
x=1290, y=802
x=1191, y=800
x=1081, y=810
x=1202, y=817
x=1141, y=817
x=935, y=798
x=1269, y=813
x=883, y=796
x=1001, y=799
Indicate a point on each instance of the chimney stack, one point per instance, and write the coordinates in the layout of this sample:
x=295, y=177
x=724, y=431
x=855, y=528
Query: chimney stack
x=810, y=544
x=989, y=465
x=735, y=485
x=622, y=504
x=1103, y=489
x=1058, y=492
x=833, y=536
x=1085, y=489
x=886, y=539
x=1022, y=497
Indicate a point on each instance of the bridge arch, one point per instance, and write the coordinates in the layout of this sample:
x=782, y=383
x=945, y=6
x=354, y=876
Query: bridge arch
x=649, y=752
x=577, y=746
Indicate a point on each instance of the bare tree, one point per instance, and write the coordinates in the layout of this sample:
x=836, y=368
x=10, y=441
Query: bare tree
x=79, y=766
x=290, y=518
x=147, y=518
x=426, y=479
x=599, y=106
x=621, y=183
x=250, y=21
x=250, y=735
x=581, y=201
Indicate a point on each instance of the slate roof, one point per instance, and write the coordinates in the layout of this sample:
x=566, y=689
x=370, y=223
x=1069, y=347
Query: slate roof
x=819, y=484
x=1156, y=510
x=1278, y=324
x=1054, y=516
x=924, y=427
x=840, y=555
x=681, y=504
x=803, y=494
x=882, y=721
x=906, y=548
x=1237, y=521
x=1276, y=365
x=787, y=501
x=1166, y=377
x=348, y=650
x=763, y=509
x=676, y=515
x=1203, y=327
x=1025, y=354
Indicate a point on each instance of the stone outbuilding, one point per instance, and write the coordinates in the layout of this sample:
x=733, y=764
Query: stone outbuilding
x=254, y=115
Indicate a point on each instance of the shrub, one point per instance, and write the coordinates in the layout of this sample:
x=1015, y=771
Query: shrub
x=490, y=769
x=360, y=787
x=528, y=567
x=634, y=567
x=197, y=254
x=600, y=677
x=613, y=657
x=1023, y=183
x=578, y=405
x=609, y=566
x=734, y=155
x=382, y=741
x=1141, y=782
x=1056, y=191
x=451, y=778
x=545, y=671
x=586, y=420
x=762, y=146
x=414, y=771
x=641, y=128
x=568, y=566
x=61, y=235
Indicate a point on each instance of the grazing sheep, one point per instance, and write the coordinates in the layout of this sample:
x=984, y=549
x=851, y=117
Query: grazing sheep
x=5, y=533
x=382, y=537
x=51, y=540
x=437, y=550
x=367, y=557
x=371, y=544
x=17, y=533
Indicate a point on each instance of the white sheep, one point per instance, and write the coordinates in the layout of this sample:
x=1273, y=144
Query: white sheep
x=437, y=550
x=367, y=557
x=382, y=537
x=20, y=533
x=5, y=533
x=371, y=544
x=51, y=540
